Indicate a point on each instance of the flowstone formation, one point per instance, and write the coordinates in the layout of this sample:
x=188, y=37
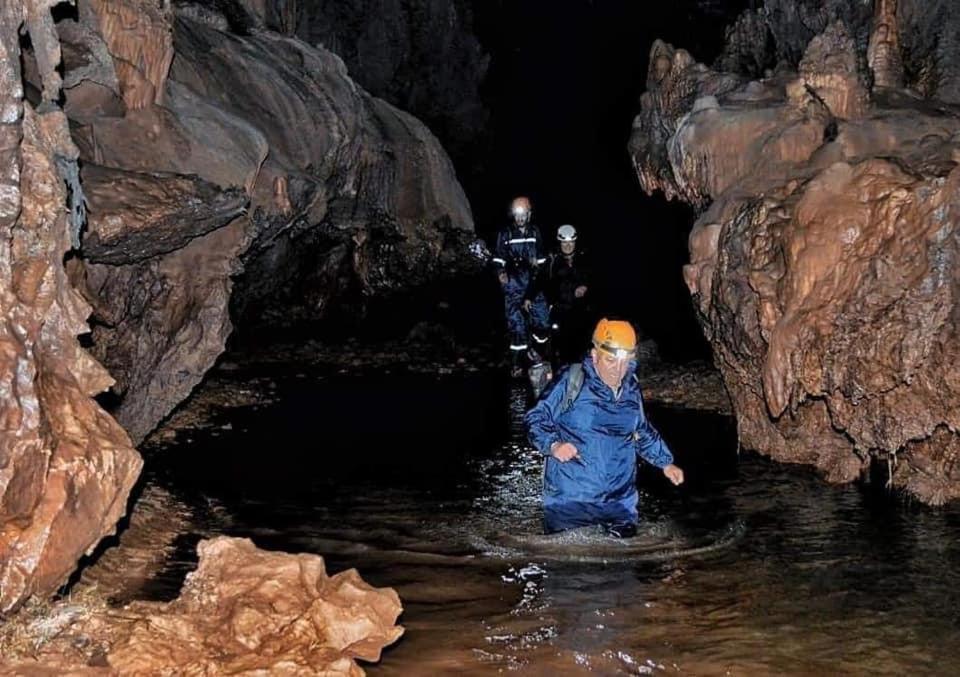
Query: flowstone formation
x=228, y=174
x=66, y=467
x=186, y=161
x=825, y=263
x=243, y=611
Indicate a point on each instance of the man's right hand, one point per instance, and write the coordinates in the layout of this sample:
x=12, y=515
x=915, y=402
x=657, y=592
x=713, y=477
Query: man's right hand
x=564, y=451
x=503, y=278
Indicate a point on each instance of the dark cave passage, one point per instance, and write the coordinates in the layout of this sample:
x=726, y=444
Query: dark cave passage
x=266, y=327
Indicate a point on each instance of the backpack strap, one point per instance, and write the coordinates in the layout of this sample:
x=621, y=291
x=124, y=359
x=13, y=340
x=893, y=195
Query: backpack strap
x=574, y=385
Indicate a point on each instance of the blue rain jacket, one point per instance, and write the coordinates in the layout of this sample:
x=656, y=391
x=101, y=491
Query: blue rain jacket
x=519, y=252
x=610, y=433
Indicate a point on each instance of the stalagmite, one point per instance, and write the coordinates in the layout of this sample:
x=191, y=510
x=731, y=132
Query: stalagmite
x=883, y=52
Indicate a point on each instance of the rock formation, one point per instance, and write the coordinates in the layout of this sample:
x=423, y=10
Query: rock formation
x=922, y=35
x=246, y=610
x=824, y=261
x=66, y=467
x=420, y=55
x=242, y=611
x=205, y=155
x=214, y=161
x=883, y=52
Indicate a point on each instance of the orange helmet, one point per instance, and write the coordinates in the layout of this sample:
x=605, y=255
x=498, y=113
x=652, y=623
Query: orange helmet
x=520, y=209
x=616, y=338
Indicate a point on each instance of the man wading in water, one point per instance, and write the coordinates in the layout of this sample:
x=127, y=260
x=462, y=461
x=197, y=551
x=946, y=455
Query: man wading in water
x=591, y=427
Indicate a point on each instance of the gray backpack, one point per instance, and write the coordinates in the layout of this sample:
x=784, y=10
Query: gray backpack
x=575, y=385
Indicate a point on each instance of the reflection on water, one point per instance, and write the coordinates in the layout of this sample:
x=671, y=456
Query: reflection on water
x=427, y=485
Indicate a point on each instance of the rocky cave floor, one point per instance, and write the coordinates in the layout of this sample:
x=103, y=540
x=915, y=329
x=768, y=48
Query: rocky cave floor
x=76, y=630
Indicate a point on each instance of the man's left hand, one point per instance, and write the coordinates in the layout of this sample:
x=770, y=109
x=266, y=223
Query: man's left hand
x=580, y=291
x=674, y=474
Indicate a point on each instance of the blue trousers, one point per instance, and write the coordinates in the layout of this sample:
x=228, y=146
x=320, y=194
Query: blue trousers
x=563, y=515
x=524, y=329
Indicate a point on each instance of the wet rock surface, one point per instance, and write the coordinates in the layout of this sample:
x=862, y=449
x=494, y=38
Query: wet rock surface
x=66, y=467
x=135, y=216
x=204, y=154
x=242, y=611
x=244, y=171
x=821, y=263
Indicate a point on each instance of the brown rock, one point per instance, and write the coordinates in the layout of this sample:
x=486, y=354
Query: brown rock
x=242, y=611
x=135, y=216
x=246, y=610
x=66, y=468
x=348, y=197
x=883, y=52
x=831, y=72
x=823, y=268
x=923, y=35
x=162, y=322
x=137, y=33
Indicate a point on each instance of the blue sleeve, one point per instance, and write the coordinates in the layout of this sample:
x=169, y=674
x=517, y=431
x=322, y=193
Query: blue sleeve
x=540, y=421
x=650, y=445
x=540, y=254
x=538, y=285
x=500, y=251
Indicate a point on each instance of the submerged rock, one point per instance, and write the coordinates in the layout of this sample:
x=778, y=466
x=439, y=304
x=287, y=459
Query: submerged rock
x=823, y=262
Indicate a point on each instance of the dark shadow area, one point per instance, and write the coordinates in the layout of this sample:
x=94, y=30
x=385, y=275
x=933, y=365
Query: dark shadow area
x=563, y=87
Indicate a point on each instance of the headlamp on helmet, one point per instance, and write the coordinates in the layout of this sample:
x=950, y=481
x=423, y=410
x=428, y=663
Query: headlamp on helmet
x=520, y=209
x=615, y=338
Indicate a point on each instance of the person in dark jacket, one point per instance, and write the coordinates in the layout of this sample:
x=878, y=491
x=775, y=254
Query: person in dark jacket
x=592, y=447
x=518, y=253
x=565, y=282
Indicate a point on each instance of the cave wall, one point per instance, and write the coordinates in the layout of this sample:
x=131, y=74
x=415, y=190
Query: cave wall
x=422, y=56
x=824, y=262
x=776, y=35
x=211, y=157
x=66, y=467
x=148, y=157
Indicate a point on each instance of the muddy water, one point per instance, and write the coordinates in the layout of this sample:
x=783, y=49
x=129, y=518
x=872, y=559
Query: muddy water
x=426, y=484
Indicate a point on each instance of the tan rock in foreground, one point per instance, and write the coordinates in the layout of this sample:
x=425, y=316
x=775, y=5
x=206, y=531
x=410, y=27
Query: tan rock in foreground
x=245, y=610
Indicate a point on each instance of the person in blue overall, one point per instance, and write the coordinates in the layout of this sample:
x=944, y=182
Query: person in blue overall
x=518, y=252
x=591, y=438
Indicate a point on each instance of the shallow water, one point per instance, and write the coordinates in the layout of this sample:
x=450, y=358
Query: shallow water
x=427, y=485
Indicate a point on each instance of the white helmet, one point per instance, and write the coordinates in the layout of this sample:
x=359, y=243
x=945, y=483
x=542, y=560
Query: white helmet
x=567, y=233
